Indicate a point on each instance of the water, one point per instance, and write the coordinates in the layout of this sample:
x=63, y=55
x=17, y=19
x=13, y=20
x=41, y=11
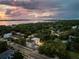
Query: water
x=13, y=22
x=18, y=22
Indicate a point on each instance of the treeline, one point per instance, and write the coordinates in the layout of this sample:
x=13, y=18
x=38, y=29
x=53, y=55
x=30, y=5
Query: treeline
x=36, y=27
x=3, y=46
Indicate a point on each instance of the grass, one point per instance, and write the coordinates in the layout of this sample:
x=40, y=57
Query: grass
x=74, y=55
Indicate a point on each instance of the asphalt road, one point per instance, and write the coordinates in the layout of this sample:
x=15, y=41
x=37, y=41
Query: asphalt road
x=27, y=52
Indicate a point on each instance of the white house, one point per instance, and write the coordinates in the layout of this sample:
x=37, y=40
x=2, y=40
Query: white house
x=31, y=36
x=64, y=41
x=21, y=34
x=52, y=32
x=33, y=43
x=36, y=41
x=14, y=37
x=7, y=35
x=74, y=27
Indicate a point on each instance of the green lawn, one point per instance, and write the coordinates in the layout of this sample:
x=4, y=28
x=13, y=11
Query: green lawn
x=74, y=55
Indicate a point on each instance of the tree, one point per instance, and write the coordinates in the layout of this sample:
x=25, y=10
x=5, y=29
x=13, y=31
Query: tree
x=3, y=46
x=54, y=48
x=21, y=41
x=17, y=55
x=75, y=44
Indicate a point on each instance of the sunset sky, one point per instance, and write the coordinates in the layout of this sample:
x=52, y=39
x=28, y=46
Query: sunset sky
x=39, y=9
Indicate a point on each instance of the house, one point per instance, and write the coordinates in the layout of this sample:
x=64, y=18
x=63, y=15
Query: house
x=31, y=36
x=74, y=27
x=64, y=41
x=36, y=41
x=52, y=32
x=31, y=45
x=7, y=35
x=33, y=42
x=13, y=37
x=7, y=54
x=21, y=34
x=72, y=38
x=56, y=33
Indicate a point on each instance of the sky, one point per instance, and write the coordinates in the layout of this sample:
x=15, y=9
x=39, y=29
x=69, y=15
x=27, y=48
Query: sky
x=39, y=9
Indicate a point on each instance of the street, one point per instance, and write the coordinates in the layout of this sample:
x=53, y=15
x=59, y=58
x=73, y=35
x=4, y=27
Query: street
x=26, y=51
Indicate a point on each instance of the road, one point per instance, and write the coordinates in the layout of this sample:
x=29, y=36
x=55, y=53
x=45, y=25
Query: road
x=27, y=52
x=7, y=54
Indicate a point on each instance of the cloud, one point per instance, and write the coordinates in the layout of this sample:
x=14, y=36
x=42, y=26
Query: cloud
x=44, y=8
x=15, y=12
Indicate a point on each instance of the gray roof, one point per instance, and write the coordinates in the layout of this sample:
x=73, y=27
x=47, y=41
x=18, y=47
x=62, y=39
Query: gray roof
x=7, y=54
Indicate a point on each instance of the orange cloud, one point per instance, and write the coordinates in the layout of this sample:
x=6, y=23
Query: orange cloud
x=3, y=15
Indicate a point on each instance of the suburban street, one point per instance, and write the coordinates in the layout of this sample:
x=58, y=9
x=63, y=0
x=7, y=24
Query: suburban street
x=26, y=51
